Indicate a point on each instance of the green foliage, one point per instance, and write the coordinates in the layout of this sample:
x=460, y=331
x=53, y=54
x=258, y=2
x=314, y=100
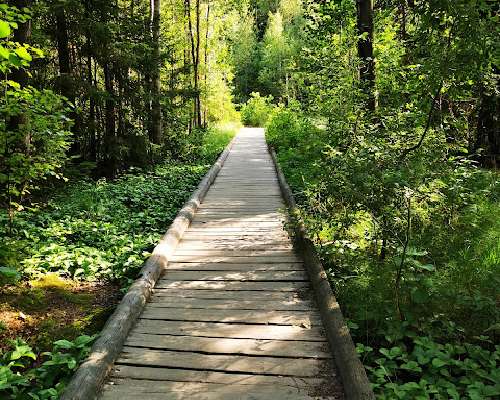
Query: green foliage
x=101, y=230
x=398, y=281
x=35, y=149
x=14, y=55
x=25, y=375
x=256, y=111
x=104, y=229
x=433, y=370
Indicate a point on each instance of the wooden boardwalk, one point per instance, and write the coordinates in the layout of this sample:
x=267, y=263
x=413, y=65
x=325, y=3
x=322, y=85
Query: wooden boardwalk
x=233, y=316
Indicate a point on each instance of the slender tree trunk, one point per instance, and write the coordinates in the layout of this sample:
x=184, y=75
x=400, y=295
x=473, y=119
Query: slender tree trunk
x=91, y=120
x=65, y=80
x=205, y=76
x=197, y=69
x=195, y=57
x=110, y=156
x=21, y=35
x=488, y=127
x=156, y=123
x=365, y=50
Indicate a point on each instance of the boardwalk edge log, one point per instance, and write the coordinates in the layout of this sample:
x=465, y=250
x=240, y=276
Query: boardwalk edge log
x=90, y=376
x=354, y=378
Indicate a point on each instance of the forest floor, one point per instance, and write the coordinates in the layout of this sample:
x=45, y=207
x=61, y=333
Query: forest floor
x=44, y=310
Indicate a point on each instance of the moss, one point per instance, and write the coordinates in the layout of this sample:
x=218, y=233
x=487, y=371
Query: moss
x=52, y=281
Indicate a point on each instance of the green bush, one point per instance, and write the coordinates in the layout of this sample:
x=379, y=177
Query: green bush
x=257, y=110
x=432, y=282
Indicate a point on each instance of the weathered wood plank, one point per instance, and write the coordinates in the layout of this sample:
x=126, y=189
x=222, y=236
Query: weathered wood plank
x=182, y=375
x=224, y=330
x=300, y=318
x=227, y=285
x=255, y=266
x=233, y=295
x=133, y=389
x=300, y=367
x=225, y=304
x=236, y=259
x=235, y=244
x=255, y=347
x=296, y=276
x=233, y=252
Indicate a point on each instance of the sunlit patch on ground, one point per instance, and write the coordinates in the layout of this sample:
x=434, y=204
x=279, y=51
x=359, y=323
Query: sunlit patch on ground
x=50, y=308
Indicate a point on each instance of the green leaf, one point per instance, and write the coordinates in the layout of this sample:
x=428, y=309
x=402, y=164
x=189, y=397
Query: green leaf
x=4, y=29
x=427, y=267
x=4, y=53
x=23, y=53
x=437, y=363
x=64, y=344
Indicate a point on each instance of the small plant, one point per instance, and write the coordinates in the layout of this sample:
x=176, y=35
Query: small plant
x=23, y=374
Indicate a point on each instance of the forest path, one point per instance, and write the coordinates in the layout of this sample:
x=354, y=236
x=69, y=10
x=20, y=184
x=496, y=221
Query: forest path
x=233, y=317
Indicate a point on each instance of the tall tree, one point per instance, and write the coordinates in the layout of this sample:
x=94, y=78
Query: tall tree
x=365, y=50
x=20, y=75
x=194, y=37
x=156, y=123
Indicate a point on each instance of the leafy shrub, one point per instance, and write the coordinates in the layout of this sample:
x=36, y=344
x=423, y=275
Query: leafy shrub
x=37, y=149
x=411, y=248
x=433, y=370
x=23, y=374
x=257, y=110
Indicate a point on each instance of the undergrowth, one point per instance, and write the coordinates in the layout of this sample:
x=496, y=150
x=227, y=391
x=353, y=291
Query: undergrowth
x=87, y=231
x=412, y=252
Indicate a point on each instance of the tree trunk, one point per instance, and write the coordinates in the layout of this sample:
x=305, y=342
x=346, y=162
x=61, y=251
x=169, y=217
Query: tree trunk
x=20, y=75
x=110, y=164
x=156, y=128
x=205, y=75
x=488, y=132
x=21, y=35
x=196, y=72
x=365, y=50
x=195, y=57
x=65, y=82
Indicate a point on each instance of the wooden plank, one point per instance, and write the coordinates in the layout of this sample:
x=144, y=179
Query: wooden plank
x=215, y=362
x=232, y=252
x=233, y=295
x=225, y=330
x=221, y=244
x=225, y=285
x=182, y=375
x=255, y=347
x=232, y=223
x=235, y=230
x=236, y=259
x=299, y=276
x=230, y=233
x=133, y=389
x=210, y=266
x=239, y=217
x=225, y=304
x=300, y=318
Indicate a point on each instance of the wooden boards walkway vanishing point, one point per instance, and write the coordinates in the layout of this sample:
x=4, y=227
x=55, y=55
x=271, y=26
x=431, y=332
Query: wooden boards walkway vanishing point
x=233, y=316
